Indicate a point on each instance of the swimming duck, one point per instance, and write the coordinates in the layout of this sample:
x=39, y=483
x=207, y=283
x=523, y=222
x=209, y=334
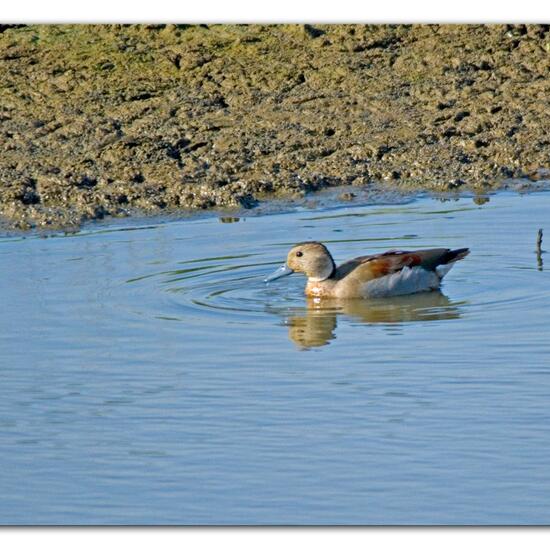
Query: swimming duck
x=392, y=273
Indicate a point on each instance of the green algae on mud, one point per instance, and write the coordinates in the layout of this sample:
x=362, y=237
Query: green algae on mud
x=106, y=120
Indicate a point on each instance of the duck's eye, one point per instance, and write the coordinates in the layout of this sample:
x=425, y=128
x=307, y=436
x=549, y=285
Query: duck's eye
x=299, y=253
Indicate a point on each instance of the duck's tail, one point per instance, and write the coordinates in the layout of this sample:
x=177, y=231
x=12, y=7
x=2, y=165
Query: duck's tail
x=448, y=260
x=454, y=255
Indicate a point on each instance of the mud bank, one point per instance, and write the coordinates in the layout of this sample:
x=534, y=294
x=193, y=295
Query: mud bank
x=107, y=120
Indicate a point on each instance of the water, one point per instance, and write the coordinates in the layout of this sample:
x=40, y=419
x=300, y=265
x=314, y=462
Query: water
x=149, y=376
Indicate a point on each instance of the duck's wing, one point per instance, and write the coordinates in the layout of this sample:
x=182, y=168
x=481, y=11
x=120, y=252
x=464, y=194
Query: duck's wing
x=379, y=265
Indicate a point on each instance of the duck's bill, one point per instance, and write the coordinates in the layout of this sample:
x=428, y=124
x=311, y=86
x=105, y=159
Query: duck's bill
x=283, y=271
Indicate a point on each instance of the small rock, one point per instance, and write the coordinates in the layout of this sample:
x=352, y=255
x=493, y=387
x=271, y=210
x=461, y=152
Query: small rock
x=347, y=196
x=460, y=115
x=312, y=32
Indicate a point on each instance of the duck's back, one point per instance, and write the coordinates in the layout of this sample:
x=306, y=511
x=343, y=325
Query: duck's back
x=395, y=272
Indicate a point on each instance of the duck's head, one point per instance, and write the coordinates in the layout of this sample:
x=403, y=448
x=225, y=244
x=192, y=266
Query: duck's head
x=311, y=258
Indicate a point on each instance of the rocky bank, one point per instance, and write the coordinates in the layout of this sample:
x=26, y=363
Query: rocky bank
x=100, y=120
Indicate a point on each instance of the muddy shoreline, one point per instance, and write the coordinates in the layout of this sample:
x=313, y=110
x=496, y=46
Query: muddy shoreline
x=109, y=120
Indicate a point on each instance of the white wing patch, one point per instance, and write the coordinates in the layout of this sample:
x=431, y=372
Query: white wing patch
x=406, y=281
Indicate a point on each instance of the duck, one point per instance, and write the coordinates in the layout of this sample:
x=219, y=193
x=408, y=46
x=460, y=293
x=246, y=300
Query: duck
x=391, y=273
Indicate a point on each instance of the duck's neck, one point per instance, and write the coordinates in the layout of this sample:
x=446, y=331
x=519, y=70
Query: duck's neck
x=323, y=273
x=320, y=288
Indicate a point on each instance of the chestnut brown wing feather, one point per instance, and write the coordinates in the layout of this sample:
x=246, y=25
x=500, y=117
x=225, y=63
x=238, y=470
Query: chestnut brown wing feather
x=378, y=265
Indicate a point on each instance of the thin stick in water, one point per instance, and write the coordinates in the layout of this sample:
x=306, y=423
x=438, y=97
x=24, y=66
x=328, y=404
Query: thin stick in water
x=539, y=250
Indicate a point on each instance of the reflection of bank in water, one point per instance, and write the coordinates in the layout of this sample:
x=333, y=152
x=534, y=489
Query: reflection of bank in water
x=316, y=326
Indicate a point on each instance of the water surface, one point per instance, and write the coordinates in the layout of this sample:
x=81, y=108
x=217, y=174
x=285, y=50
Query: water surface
x=148, y=375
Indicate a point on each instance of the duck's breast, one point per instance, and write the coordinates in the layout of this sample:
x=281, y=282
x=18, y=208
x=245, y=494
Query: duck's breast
x=406, y=281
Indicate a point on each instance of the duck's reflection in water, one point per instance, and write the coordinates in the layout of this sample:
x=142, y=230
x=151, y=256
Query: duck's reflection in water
x=316, y=324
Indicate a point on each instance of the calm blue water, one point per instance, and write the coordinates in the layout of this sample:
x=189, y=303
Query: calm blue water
x=148, y=376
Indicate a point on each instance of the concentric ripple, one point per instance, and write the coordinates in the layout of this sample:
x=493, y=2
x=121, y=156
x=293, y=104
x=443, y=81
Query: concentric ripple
x=223, y=287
